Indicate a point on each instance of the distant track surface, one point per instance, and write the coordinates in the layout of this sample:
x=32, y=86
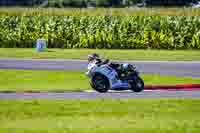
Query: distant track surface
x=174, y=68
x=94, y=95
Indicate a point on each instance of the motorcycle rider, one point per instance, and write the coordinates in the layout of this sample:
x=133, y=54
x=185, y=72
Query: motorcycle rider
x=94, y=58
x=121, y=69
x=122, y=77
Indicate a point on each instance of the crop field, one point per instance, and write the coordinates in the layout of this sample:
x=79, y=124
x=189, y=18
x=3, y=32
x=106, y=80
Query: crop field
x=108, y=28
x=108, y=32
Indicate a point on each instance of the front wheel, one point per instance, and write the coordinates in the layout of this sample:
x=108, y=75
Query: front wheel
x=100, y=83
x=137, y=85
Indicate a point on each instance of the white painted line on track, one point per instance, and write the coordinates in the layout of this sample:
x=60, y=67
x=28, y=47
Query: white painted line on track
x=126, y=91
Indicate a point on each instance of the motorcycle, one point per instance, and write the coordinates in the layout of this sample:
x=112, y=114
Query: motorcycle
x=110, y=76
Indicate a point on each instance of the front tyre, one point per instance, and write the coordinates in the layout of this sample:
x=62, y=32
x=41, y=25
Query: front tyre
x=137, y=85
x=100, y=83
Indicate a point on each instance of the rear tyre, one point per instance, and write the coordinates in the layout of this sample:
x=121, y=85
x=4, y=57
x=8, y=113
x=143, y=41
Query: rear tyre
x=100, y=83
x=137, y=85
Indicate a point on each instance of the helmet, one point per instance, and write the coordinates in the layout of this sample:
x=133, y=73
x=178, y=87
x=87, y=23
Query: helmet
x=92, y=57
x=125, y=66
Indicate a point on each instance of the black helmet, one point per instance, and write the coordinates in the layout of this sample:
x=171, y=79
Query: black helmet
x=92, y=57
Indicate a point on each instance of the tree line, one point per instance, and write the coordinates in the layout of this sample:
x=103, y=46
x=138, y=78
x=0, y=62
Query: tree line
x=93, y=3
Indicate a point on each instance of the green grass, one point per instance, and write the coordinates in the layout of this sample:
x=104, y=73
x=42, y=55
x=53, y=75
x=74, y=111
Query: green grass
x=66, y=80
x=160, y=55
x=17, y=11
x=100, y=115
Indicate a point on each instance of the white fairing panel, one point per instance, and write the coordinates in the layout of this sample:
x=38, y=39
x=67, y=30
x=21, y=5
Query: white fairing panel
x=106, y=70
x=109, y=73
x=91, y=65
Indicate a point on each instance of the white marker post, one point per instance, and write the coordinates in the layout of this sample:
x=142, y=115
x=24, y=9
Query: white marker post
x=41, y=45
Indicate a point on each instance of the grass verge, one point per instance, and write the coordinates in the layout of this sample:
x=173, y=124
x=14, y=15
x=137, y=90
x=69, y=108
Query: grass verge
x=100, y=115
x=19, y=11
x=160, y=55
x=67, y=80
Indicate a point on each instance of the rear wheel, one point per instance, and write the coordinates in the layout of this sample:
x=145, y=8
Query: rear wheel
x=100, y=83
x=137, y=85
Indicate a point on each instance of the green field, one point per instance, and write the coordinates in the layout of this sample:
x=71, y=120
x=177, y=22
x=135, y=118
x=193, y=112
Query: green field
x=17, y=11
x=11, y=80
x=149, y=55
x=100, y=115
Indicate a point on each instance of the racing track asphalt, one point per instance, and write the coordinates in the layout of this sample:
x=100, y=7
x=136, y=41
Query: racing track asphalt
x=175, y=68
x=93, y=95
